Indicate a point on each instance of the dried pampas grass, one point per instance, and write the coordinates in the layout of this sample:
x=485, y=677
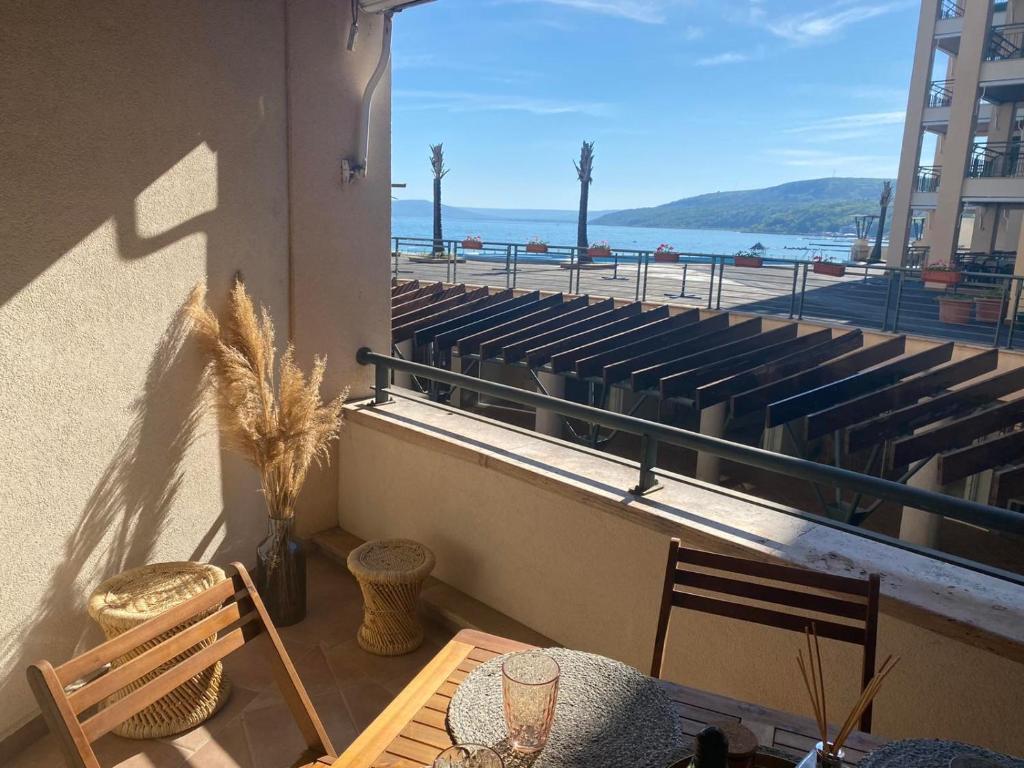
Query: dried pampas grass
x=280, y=431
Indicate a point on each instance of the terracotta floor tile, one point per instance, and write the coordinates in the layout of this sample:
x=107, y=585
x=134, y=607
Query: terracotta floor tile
x=228, y=748
x=350, y=663
x=365, y=699
x=198, y=737
x=43, y=754
x=114, y=751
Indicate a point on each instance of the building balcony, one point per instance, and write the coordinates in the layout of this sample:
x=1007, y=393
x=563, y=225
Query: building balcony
x=994, y=173
x=950, y=9
x=926, y=187
x=936, y=115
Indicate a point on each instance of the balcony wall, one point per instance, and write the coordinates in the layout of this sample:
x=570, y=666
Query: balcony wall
x=547, y=534
x=146, y=148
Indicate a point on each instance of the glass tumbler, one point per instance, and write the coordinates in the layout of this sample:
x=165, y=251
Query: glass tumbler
x=529, y=683
x=469, y=756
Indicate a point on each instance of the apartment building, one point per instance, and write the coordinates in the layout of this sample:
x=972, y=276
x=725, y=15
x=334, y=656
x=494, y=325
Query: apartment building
x=961, y=176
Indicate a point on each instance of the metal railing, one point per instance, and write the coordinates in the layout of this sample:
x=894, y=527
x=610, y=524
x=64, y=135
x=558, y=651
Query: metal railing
x=1005, y=42
x=654, y=433
x=871, y=296
x=940, y=93
x=950, y=9
x=927, y=177
x=991, y=160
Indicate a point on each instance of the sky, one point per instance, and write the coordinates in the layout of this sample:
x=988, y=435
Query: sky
x=682, y=97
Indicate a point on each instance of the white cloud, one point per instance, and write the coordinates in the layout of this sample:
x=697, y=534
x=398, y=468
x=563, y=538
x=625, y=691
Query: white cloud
x=728, y=57
x=823, y=23
x=692, y=33
x=644, y=11
x=847, y=122
x=459, y=101
x=835, y=162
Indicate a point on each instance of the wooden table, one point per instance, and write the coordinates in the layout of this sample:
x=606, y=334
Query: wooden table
x=411, y=732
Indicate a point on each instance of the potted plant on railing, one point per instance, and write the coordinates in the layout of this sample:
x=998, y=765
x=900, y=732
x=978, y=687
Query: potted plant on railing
x=748, y=259
x=955, y=308
x=824, y=265
x=988, y=306
x=473, y=242
x=943, y=274
x=600, y=249
x=537, y=245
x=666, y=254
x=279, y=424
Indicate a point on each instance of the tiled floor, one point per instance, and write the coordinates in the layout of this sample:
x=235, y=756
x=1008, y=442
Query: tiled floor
x=348, y=687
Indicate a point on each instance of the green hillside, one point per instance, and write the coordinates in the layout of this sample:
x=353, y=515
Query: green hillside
x=815, y=206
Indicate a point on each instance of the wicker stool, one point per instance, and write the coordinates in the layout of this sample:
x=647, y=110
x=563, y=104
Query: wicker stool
x=390, y=574
x=127, y=600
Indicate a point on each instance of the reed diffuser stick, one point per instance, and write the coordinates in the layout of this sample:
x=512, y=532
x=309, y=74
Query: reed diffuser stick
x=813, y=672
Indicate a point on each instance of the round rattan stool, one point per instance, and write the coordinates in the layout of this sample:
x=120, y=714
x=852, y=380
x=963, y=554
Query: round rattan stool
x=390, y=573
x=130, y=598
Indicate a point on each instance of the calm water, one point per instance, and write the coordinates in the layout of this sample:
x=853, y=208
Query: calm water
x=635, y=238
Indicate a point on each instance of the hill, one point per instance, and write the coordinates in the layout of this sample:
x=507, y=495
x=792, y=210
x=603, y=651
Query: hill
x=815, y=206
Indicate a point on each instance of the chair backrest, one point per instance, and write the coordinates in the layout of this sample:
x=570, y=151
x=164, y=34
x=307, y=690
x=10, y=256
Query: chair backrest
x=695, y=580
x=232, y=609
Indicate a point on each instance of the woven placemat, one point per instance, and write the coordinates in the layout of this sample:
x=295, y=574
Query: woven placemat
x=608, y=716
x=929, y=753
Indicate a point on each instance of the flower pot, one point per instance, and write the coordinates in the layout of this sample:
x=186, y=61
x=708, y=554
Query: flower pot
x=281, y=573
x=826, y=268
x=473, y=244
x=955, y=310
x=536, y=248
x=988, y=309
x=748, y=261
x=599, y=252
x=943, y=276
x=666, y=257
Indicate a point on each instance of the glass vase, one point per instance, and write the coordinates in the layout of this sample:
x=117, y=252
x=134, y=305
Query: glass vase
x=817, y=758
x=281, y=573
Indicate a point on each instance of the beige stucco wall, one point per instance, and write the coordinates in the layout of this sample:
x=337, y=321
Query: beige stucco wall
x=545, y=534
x=145, y=147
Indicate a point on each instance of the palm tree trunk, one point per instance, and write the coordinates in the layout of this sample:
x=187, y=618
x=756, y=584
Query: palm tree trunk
x=438, y=233
x=876, y=251
x=581, y=227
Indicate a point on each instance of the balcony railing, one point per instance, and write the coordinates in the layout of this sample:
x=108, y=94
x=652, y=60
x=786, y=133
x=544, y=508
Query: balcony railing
x=950, y=9
x=927, y=177
x=651, y=433
x=1000, y=160
x=1006, y=42
x=940, y=93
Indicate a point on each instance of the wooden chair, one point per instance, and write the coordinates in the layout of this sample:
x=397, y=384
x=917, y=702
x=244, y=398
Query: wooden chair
x=77, y=717
x=693, y=569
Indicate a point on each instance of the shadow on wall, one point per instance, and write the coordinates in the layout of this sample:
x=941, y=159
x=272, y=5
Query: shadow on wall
x=128, y=509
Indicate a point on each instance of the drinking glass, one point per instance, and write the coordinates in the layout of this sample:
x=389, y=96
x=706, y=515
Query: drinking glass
x=529, y=683
x=469, y=756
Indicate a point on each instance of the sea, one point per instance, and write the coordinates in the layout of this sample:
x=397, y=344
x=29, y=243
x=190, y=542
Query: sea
x=710, y=241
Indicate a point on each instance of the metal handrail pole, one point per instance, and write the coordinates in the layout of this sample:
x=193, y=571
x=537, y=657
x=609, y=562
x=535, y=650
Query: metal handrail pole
x=792, y=293
x=803, y=293
x=1002, y=309
x=802, y=469
x=901, y=278
x=711, y=285
x=1014, y=317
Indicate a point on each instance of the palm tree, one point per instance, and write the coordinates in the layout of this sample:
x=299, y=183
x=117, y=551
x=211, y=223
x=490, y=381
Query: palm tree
x=437, y=163
x=584, y=169
x=883, y=202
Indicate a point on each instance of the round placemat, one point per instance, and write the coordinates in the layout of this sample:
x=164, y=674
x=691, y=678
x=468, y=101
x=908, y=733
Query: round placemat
x=608, y=715
x=928, y=753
